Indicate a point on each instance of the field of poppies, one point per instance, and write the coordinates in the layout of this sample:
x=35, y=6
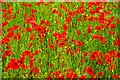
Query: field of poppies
x=60, y=40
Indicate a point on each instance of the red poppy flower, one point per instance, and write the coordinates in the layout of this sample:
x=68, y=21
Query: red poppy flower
x=8, y=5
x=90, y=71
x=84, y=16
x=97, y=10
x=99, y=61
x=5, y=40
x=10, y=34
x=91, y=18
x=98, y=28
x=52, y=46
x=40, y=29
x=108, y=61
x=78, y=32
x=48, y=78
x=68, y=75
x=26, y=52
x=112, y=26
x=29, y=5
x=37, y=51
x=79, y=10
x=64, y=34
x=68, y=50
x=92, y=56
x=47, y=23
x=14, y=28
x=96, y=53
x=77, y=50
x=78, y=43
x=4, y=23
x=101, y=21
x=92, y=12
x=22, y=59
x=111, y=19
x=51, y=73
x=29, y=29
x=17, y=36
x=70, y=71
x=14, y=64
x=70, y=12
x=4, y=10
x=117, y=42
x=65, y=27
x=118, y=54
x=61, y=44
x=23, y=4
x=74, y=76
x=112, y=52
x=61, y=77
x=115, y=76
x=10, y=11
x=41, y=2
x=68, y=19
x=54, y=11
x=111, y=32
x=112, y=67
x=50, y=64
x=32, y=61
x=71, y=74
x=56, y=34
x=100, y=53
x=57, y=73
x=82, y=77
x=95, y=36
x=42, y=22
x=33, y=11
x=7, y=52
x=36, y=71
x=89, y=28
x=8, y=17
x=102, y=39
x=117, y=21
x=4, y=15
x=99, y=73
x=107, y=56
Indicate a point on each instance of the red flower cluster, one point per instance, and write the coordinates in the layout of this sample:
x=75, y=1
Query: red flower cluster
x=71, y=74
x=117, y=42
x=13, y=64
x=8, y=52
x=61, y=38
x=99, y=37
x=103, y=22
x=16, y=64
